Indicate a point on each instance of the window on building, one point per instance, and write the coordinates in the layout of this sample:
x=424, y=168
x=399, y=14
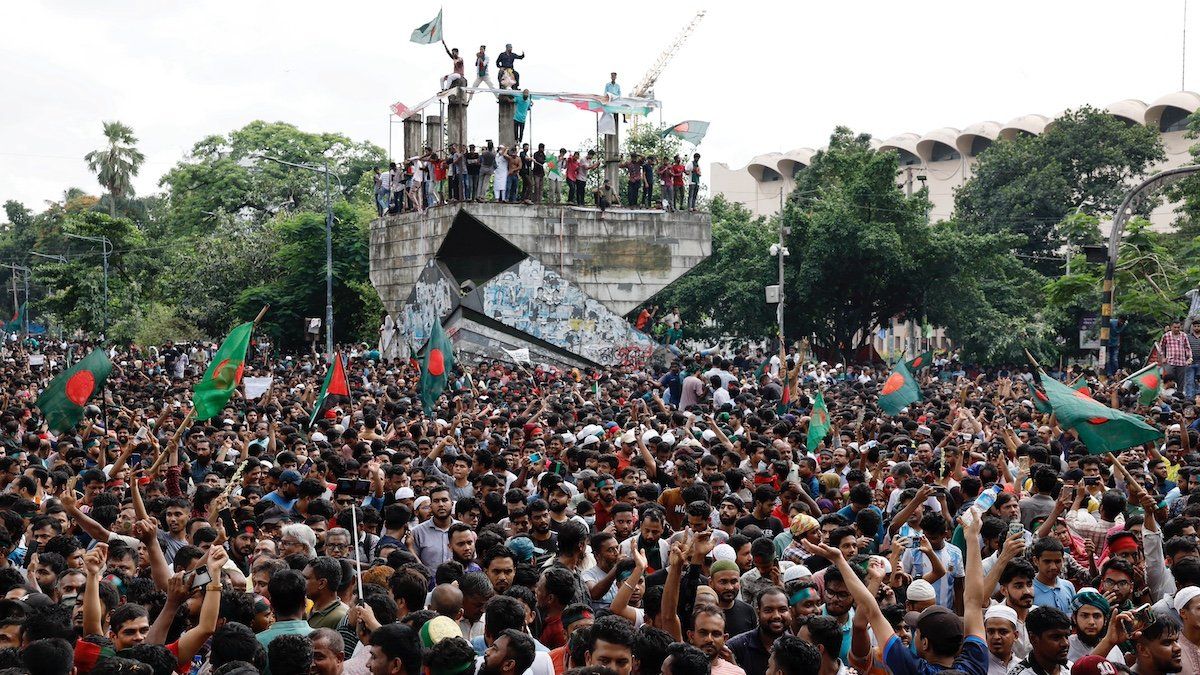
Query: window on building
x=1173, y=119
x=979, y=144
x=943, y=153
x=770, y=175
x=907, y=158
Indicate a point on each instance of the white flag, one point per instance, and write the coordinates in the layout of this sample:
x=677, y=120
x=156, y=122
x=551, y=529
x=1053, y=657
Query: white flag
x=256, y=386
x=429, y=32
x=519, y=355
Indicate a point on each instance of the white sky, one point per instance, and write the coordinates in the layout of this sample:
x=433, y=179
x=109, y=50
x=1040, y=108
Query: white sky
x=768, y=75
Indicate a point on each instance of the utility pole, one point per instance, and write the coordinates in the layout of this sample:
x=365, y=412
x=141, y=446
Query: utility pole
x=16, y=300
x=782, y=254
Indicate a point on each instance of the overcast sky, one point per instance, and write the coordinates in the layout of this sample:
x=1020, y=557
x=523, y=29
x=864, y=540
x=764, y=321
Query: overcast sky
x=768, y=75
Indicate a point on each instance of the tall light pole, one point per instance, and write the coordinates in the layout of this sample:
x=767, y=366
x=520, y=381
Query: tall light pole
x=328, y=247
x=24, y=318
x=105, y=248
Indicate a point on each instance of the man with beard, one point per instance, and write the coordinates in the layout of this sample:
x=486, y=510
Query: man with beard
x=708, y=635
x=1000, y=629
x=1016, y=585
x=839, y=605
x=511, y=653
x=649, y=539
x=1049, y=640
x=1188, y=606
x=607, y=486
x=462, y=546
x=752, y=648
x=476, y=592
x=725, y=578
x=600, y=577
x=500, y=565
x=1089, y=614
x=728, y=513
x=430, y=541
x=559, y=499
x=241, y=547
x=539, y=526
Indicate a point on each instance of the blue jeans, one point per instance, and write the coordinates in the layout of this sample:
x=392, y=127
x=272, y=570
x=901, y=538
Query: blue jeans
x=1193, y=372
x=510, y=189
x=382, y=196
x=468, y=187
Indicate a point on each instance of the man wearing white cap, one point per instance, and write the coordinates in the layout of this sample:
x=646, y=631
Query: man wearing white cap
x=1187, y=603
x=1000, y=625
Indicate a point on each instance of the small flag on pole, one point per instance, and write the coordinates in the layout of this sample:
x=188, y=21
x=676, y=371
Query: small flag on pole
x=1149, y=383
x=519, y=355
x=430, y=32
x=399, y=109
x=692, y=131
x=818, y=423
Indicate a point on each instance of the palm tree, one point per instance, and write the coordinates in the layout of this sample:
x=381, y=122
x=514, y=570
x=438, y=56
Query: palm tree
x=117, y=164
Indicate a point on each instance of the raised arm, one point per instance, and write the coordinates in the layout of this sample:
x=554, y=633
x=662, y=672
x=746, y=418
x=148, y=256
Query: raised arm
x=669, y=611
x=864, y=601
x=974, y=594
x=93, y=567
x=146, y=532
x=192, y=640
x=620, y=604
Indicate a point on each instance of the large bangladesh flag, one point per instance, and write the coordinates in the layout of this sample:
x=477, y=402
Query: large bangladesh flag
x=63, y=399
x=436, y=365
x=899, y=389
x=818, y=424
x=922, y=360
x=223, y=374
x=1149, y=383
x=1101, y=428
x=335, y=389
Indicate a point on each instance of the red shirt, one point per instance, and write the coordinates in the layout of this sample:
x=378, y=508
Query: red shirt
x=677, y=174
x=553, y=634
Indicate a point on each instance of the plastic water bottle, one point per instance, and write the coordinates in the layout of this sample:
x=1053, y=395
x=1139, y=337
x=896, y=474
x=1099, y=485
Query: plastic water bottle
x=197, y=664
x=987, y=498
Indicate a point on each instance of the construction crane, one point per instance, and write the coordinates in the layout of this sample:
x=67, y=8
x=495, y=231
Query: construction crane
x=645, y=88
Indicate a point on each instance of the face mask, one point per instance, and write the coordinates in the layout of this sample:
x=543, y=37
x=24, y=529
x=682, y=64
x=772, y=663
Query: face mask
x=590, y=520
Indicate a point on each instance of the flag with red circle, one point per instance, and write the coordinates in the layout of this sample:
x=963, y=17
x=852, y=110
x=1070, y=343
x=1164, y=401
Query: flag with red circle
x=1101, y=428
x=899, y=390
x=436, y=364
x=63, y=400
x=224, y=373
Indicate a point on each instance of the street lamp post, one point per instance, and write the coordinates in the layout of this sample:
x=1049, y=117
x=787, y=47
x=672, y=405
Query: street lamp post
x=328, y=247
x=25, y=273
x=105, y=248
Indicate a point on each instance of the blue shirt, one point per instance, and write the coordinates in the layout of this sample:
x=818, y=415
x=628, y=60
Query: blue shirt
x=973, y=660
x=275, y=498
x=1058, y=596
x=522, y=110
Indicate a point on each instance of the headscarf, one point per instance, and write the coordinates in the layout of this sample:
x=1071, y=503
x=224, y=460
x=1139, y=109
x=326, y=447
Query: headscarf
x=1090, y=596
x=802, y=523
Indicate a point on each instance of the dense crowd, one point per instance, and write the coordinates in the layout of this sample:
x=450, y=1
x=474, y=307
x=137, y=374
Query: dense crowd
x=594, y=522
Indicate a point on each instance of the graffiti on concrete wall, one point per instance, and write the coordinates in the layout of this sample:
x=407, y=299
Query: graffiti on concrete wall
x=431, y=297
x=536, y=300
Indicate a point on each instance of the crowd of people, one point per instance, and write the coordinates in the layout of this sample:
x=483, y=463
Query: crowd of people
x=516, y=175
x=601, y=521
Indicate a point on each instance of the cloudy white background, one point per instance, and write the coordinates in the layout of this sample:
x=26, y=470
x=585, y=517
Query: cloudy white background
x=767, y=75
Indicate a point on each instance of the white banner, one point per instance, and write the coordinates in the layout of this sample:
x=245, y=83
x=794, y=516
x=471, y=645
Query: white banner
x=256, y=386
x=519, y=355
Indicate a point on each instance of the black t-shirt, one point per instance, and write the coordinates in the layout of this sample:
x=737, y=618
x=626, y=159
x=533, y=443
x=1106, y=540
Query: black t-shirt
x=472, y=163
x=740, y=618
x=549, y=545
x=770, y=526
x=539, y=162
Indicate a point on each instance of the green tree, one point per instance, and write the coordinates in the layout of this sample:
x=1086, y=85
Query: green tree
x=1082, y=162
x=732, y=277
x=116, y=164
x=860, y=250
x=295, y=288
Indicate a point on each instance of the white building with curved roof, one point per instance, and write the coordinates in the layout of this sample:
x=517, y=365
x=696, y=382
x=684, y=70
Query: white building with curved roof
x=943, y=159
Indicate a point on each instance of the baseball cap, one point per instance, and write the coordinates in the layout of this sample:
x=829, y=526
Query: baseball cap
x=1092, y=665
x=290, y=476
x=938, y=620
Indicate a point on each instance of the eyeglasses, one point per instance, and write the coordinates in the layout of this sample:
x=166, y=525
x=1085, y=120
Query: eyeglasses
x=289, y=542
x=834, y=595
x=1112, y=583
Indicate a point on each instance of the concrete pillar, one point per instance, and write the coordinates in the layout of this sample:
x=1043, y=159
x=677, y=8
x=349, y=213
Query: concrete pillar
x=412, y=136
x=433, y=132
x=508, y=107
x=612, y=153
x=456, y=122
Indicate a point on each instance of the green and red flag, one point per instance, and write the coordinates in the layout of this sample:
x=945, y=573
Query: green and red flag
x=436, y=365
x=335, y=389
x=899, y=390
x=1149, y=383
x=1101, y=428
x=818, y=423
x=922, y=360
x=786, y=398
x=63, y=399
x=224, y=373
x=1042, y=402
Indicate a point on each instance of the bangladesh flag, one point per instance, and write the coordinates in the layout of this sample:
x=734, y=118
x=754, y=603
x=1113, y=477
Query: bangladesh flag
x=224, y=374
x=1101, y=428
x=1149, y=383
x=336, y=387
x=899, y=390
x=15, y=324
x=63, y=399
x=1042, y=402
x=923, y=360
x=818, y=424
x=435, y=366
x=786, y=399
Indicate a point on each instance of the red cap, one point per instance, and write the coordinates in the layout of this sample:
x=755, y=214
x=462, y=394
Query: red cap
x=1093, y=665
